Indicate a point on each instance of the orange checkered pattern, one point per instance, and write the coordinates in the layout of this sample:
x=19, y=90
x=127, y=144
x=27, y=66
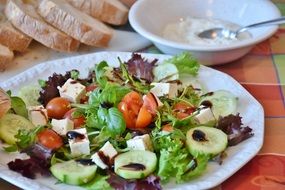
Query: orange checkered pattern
x=262, y=73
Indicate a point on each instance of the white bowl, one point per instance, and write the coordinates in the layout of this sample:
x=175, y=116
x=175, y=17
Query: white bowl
x=149, y=18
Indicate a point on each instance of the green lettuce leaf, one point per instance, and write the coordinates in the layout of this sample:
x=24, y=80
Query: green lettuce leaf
x=100, y=73
x=175, y=160
x=98, y=183
x=185, y=63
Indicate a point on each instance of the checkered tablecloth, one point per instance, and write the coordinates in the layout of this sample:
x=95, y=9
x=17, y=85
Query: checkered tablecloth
x=262, y=73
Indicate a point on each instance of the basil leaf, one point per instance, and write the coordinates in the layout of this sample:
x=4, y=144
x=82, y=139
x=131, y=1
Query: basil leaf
x=18, y=106
x=115, y=121
x=112, y=94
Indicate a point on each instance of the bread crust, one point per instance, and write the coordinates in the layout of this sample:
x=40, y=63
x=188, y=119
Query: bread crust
x=13, y=38
x=110, y=11
x=25, y=18
x=79, y=25
x=6, y=56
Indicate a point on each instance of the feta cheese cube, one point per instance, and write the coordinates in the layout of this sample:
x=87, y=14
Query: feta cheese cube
x=62, y=126
x=97, y=160
x=38, y=115
x=140, y=143
x=72, y=90
x=204, y=115
x=79, y=146
x=162, y=89
x=108, y=152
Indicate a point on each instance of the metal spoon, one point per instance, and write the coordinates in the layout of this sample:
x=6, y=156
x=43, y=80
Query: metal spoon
x=226, y=33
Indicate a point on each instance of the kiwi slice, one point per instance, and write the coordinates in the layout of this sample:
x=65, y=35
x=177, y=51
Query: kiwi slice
x=206, y=141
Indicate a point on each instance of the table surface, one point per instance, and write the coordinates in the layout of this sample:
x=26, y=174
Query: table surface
x=262, y=73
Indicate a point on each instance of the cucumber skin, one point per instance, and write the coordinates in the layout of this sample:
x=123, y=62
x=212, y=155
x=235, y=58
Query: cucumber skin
x=150, y=168
x=196, y=152
x=62, y=172
x=11, y=122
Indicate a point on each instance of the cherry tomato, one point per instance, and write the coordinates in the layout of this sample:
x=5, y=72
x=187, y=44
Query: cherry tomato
x=128, y=114
x=130, y=107
x=137, y=111
x=78, y=121
x=183, y=110
x=89, y=88
x=133, y=98
x=49, y=139
x=144, y=118
x=57, y=107
x=150, y=103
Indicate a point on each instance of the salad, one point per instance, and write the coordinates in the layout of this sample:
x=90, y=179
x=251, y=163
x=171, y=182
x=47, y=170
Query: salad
x=137, y=126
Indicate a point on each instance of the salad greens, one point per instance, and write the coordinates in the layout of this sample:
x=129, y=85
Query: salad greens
x=122, y=115
x=185, y=63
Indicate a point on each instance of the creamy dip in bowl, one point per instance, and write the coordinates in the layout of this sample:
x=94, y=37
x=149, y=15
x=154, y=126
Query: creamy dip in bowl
x=150, y=19
x=187, y=30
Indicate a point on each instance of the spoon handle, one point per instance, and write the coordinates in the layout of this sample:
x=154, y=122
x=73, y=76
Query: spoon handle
x=280, y=20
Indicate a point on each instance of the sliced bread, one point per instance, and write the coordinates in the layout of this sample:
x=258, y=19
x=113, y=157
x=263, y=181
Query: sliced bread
x=25, y=18
x=128, y=3
x=13, y=38
x=110, y=11
x=75, y=23
x=6, y=55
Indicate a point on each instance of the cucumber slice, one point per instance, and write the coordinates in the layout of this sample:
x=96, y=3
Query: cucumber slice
x=10, y=125
x=206, y=141
x=222, y=103
x=135, y=164
x=30, y=95
x=73, y=173
x=165, y=72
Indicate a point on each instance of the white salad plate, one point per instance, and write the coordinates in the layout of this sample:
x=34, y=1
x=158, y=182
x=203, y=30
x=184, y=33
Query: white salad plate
x=237, y=156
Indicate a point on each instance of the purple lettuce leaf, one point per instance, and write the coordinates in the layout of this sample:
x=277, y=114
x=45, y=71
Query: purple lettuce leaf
x=50, y=91
x=140, y=67
x=232, y=126
x=152, y=182
x=38, y=163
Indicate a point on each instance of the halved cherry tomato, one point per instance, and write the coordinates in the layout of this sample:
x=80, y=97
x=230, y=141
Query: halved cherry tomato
x=130, y=107
x=183, y=110
x=150, y=103
x=78, y=121
x=138, y=112
x=134, y=100
x=49, y=139
x=144, y=118
x=128, y=114
x=57, y=107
